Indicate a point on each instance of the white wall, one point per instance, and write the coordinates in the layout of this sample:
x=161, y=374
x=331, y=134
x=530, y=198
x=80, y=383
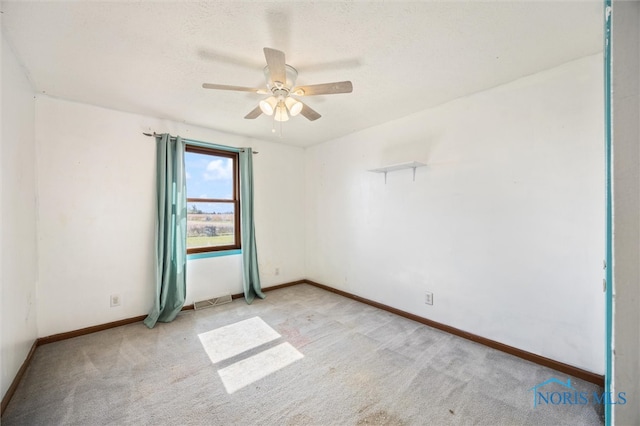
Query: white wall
x=504, y=225
x=626, y=208
x=18, y=209
x=97, y=214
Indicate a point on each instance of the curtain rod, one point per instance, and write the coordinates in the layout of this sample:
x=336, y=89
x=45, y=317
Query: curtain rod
x=154, y=134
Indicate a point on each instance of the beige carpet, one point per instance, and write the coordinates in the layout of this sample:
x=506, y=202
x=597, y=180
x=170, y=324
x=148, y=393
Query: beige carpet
x=303, y=356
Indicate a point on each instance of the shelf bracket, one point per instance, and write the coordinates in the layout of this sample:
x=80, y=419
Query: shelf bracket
x=414, y=174
x=385, y=177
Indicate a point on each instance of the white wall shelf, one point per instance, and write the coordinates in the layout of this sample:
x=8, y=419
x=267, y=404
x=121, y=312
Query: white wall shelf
x=395, y=167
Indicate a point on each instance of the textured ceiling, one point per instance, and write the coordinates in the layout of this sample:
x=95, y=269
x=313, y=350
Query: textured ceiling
x=402, y=57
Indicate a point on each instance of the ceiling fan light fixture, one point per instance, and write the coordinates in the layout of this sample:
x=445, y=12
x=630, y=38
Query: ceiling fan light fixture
x=281, y=113
x=280, y=81
x=293, y=106
x=268, y=105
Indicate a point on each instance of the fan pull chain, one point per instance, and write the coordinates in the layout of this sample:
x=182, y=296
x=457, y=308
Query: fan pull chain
x=273, y=126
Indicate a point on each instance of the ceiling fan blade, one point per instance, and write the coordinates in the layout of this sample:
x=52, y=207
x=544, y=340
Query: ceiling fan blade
x=255, y=113
x=324, y=89
x=276, y=62
x=309, y=113
x=236, y=88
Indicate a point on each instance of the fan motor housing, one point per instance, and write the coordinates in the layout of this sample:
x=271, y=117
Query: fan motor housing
x=291, y=77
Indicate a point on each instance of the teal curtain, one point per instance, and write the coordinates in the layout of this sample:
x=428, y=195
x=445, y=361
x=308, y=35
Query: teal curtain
x=250, y=272
x=171, y=231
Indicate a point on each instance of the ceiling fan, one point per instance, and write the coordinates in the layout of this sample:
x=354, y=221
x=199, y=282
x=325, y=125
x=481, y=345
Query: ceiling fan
x=281, y=86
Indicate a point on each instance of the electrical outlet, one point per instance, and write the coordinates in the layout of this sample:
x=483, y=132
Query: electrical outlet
x=428, y=298
x=115, y=300
x=277, y=271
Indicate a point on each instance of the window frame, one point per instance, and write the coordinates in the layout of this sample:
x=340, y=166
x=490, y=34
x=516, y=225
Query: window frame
x=235, y=200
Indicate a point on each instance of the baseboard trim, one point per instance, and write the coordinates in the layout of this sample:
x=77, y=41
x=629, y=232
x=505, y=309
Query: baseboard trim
x=279, y=286
x=547, y=362
x=273, y=287
x=94, y=329
x=88, y=330
x=16, y=380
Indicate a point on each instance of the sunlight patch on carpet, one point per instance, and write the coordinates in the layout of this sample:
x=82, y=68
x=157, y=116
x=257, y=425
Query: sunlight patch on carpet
x=249, y=370
x=234, y=339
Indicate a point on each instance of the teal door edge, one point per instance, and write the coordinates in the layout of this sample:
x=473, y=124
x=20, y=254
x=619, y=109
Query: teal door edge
x=609, y=211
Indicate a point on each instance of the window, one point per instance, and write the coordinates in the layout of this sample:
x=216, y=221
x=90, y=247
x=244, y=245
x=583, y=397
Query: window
x=213, y=205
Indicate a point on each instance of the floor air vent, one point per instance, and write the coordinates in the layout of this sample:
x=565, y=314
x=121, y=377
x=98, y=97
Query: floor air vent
x=212, y=302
